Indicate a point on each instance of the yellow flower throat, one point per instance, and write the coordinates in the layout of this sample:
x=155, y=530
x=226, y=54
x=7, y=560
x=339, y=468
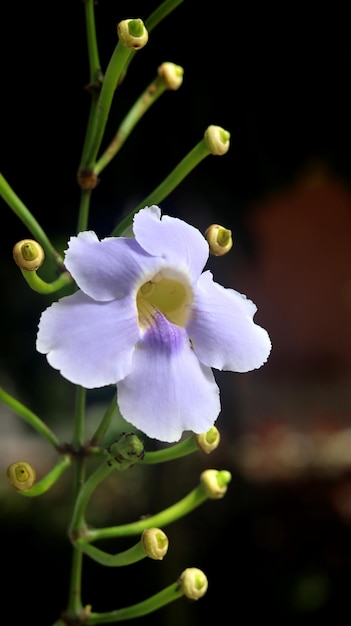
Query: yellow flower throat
x=169, y=295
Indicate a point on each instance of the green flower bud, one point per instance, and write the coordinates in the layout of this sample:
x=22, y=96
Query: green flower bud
x=21, y=475
x=215, y=482
x=132, y=33
x=217, y=140
x=171, y=74
x=155, y=543
x=28, y=254
x=126, y=451
x=209, y=441
x=193, y=583
x=219, y=239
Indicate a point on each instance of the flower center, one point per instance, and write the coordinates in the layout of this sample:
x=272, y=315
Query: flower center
x=168, y=294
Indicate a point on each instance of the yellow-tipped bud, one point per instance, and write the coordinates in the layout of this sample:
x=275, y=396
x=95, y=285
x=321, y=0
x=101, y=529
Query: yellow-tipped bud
x=155, y=543
x=217, y=140
x=132, y=33
x=219, y=239
x=215, y=482
x=171, y=74
x=21, y=475
x=193, y=583
x=28, y=254
x=209, y=441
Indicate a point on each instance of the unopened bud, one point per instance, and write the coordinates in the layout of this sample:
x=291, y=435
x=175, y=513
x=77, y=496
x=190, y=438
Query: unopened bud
x=126, y=451
x=217, y=140
x=155, y=543
x=219, y=239
x=171, y=74
x=132, y=33
x=215, y=482
x=193, y=583
x=209, y=441
x=28, y=254
x=21, y=475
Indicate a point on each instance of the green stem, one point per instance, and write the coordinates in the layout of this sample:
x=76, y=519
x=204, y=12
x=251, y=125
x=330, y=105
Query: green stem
x=190, y=161
x=127, y=557
x=188, y=446
x=49, y=480
x=160, y=13
x=144, y=102
x=75, y=605
x=29, y=417
x=160, y=599
x=178, y=510
x=84, y=495
x=27, y=218
x=105, y=423
x=84, y=207
x=41, y=286
x=93, y=53
x=99, y=120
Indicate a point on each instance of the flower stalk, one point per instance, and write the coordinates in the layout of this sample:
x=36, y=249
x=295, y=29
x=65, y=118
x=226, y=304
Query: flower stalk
x=28, y=416
x=149, y=96
x=23, y=213
x=178, y=174
x=43, y=485
x=154, y=603
x=178, y=510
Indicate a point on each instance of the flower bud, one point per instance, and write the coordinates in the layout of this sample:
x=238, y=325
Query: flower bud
x=126, y=451
x=219, y=239
x=171, y=74
x=193, y=583
x=28, y=254
x=215, y=482
x=155, y=543
x=132, y=33
x=209, y=441
x=217, y=140
x=21, y=475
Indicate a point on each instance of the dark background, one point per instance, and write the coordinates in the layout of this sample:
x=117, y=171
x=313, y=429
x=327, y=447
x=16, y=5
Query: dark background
x=277, y=547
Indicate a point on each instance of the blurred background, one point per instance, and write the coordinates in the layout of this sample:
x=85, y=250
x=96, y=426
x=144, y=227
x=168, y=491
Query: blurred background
x=278, y=546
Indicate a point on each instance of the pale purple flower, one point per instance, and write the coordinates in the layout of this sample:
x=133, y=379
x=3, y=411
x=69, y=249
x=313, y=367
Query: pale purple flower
x=147, y=318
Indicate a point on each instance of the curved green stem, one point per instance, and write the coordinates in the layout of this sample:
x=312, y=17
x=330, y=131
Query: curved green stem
x=41, y=286
x=49, y=480
x=134, y=115
x=178, y=510
x=127, y=557
x=160, y=599
x=84, y=495
x=188, y=446
x=27, y=218
x=190, y=161
x=22, y=411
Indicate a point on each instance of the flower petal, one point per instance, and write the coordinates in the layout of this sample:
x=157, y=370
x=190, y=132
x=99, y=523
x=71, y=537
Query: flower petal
x=182, y=245
x=222, y=330
x=91, y=343
x=168, y=390
x=110, y=268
